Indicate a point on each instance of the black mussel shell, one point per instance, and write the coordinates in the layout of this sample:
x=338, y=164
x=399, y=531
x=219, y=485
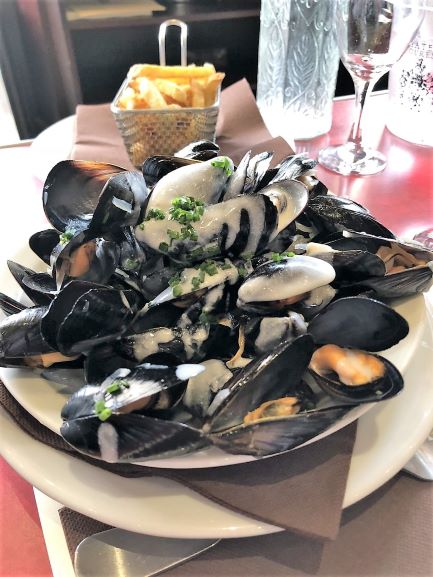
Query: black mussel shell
x=131, y=437
x=354, y=264
x=71, y=192
x=268, y=377
x=360, y=323
x=10, y=306
x=103, y=360
x=20, y=334
x=200, y=150
x=155, y=167
x=164, y=315
x=274, y=436
x=20, y=272
x=99, y=259
x=332, y=213
x=399, y=284
x=85, y=314
x=81, y=403
x=379, y=390
x=41, y=282
x=42, y=243
x=122, y=202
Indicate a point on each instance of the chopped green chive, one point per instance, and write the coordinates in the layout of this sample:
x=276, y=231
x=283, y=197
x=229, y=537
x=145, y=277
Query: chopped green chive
x=105, y=414
x=102, y=412
x=242, y=271
x=195, y=281
x=163, y=247
x=186, y=209
x=155, y=214
x=278, y=257
x=207, y=318
x=66, y=236
x=223, y=162
x=177, y=290
x=173, y=234
x=131, y=264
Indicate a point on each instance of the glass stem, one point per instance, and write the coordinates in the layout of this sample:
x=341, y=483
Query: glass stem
x=363, y=89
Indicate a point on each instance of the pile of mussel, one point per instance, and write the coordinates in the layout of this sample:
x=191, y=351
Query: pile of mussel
x=198, y=304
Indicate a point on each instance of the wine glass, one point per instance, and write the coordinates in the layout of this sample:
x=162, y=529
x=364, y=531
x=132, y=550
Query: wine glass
x=372, y=36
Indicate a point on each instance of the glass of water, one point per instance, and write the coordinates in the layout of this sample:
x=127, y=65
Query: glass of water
x=372, y=36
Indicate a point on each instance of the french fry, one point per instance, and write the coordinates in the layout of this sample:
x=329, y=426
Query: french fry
x=155, y=71
x=157, y=87
x=198, y=97
x=180, y=93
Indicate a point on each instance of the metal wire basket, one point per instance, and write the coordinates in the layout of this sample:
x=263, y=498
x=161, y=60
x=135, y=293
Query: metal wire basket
x=163, y=131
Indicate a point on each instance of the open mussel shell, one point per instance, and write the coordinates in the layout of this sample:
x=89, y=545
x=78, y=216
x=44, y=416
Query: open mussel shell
x=385, y=387
x=399, y=284
x=38, y=296
x=332, y=213
x=131, y=437
x=155, y=167
x=199, y=150
x=147, y=386
x=103, y=360
x=20, y=334
x=42, y=243
x=354, y=264
x=122, y=202
x=93, y=260
x=360, y=323
x=81, y=403
x=274, y=436
x=9, y=305
x=268, y=377
x=71, y=192
x=85, y=314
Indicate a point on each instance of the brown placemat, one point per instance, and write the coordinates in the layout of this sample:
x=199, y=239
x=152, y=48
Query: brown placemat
x=240, y=128
x=388, y=534
x=302, y=490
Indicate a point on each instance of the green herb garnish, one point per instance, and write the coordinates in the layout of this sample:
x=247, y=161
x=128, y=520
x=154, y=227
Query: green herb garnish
x=131, y=264
x=196, y=282
x=66, y=236
x=186, y=209
x=155, y=214
x=207, y=318
x=223, y=162
x=177, y=290
x=163, y=247
x=117, y=387
x=102, y=412
x=279, y=256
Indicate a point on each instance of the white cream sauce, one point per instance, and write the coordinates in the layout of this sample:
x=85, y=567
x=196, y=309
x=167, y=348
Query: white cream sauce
x=313, y=248
x=201, y=388
x=230, y=275
x=300, y=274
x=108, y=441
x=202, y=181
x=319, y=295
x=274, y=331
x=146, y=344
x=193, y=339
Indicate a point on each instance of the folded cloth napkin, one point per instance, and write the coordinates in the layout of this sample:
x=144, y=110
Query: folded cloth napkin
x=388, y=534
x=301, y=490
x=239, y=129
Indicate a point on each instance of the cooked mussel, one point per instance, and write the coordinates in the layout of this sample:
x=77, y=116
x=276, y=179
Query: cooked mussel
x=354, y=376
x=278, y=285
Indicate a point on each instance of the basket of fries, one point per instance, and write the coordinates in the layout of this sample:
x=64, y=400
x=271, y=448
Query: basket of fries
x=159, y=109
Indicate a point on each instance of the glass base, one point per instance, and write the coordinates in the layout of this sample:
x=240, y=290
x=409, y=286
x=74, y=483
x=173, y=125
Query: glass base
x=352, y=159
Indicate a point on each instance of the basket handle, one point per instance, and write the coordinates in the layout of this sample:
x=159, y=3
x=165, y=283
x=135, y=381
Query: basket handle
x=183, y=37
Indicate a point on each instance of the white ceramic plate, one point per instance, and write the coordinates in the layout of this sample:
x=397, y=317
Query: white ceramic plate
x=44, y=399
x=388, y=435
x=51, y=146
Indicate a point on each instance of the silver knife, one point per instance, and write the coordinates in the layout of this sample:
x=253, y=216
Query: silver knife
x=119, y=553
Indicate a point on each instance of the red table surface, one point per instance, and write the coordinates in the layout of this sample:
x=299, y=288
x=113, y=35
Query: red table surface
x=401, y=197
